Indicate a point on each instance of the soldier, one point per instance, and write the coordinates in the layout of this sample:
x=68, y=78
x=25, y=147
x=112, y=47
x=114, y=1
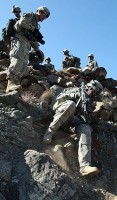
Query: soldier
x=17, y=11
x=8, y=32
x=70, y=60
x=48, y=64
x=64, y=108
x=92, y=64
x=26, y=35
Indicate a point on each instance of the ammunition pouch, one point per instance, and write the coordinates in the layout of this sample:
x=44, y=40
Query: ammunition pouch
x=28, y=34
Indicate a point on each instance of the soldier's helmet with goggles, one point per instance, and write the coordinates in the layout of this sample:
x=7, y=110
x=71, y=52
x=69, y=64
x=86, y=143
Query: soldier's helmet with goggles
x=94, y=85
x=65, y=51
x=90, y=55
x=16, y=9
x=48, y=58
x=45, y=10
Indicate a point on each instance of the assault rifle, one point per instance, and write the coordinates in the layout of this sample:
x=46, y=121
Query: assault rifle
x=87, y=104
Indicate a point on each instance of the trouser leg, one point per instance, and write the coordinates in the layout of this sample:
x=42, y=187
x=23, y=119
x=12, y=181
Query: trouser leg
x=18, y=61
x=63, y=113
x=84, y=147
x=19, y=55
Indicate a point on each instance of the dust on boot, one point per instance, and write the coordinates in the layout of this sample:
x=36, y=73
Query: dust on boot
x=12, y=85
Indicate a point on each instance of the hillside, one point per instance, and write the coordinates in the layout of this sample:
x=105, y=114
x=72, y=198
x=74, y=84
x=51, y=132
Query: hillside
x=31, y=170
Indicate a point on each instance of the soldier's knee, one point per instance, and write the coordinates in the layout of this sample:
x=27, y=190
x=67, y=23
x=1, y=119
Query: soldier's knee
x=72, y=106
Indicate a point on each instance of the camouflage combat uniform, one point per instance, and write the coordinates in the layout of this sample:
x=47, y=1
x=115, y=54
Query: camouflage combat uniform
x=21, y=46
x=64, y=109
x=92, y=64
x=71, y=61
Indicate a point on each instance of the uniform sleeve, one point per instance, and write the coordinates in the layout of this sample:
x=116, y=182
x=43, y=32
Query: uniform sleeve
x=70, y=94
x=26, y=22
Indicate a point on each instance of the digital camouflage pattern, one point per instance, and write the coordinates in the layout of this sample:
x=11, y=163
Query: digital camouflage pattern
x=70, y=60
x=92, y=64
x=64, y=109
x=21, y=46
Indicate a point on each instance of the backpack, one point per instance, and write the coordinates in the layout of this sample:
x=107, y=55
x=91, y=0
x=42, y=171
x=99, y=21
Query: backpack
x=77, y=62
x=8, y=31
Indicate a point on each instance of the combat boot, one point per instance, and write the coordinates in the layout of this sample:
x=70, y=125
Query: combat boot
x=48, y=137
x=89, y=171
x=11, y=86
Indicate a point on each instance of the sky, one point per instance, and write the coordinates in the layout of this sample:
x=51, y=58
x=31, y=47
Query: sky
x=81, y=26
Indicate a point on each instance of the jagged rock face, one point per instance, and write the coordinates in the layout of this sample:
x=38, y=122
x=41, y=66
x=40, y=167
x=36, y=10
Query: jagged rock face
x=32, y=170
x=51, y=181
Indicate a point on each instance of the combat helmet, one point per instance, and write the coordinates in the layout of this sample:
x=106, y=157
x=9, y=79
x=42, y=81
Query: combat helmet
x=45, y=10
x=65, y=51
x=95, y=85
x=90, y=55
x=16, y=9
x=48, y=58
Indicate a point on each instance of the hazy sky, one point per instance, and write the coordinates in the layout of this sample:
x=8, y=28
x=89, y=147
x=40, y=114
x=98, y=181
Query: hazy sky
x=81, y=26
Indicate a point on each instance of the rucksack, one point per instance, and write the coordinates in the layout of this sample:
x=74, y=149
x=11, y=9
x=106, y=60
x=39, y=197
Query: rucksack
x=77, y=62
x=8, y=31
